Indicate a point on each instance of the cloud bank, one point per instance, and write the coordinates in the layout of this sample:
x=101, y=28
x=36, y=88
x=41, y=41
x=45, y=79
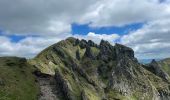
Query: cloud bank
x=51, y=21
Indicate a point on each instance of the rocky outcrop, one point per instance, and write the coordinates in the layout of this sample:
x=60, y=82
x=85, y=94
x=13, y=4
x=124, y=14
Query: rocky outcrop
x=123, y=51
x=48, y=88
x=89, y=53
x=83, y=43
x=155, y=68
x=63, y=86
x=87, y=71
x=91, y=44
x=78, y=55
x=107, y=51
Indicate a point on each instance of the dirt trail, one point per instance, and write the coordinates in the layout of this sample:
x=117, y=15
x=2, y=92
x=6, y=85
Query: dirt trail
x=48, y=89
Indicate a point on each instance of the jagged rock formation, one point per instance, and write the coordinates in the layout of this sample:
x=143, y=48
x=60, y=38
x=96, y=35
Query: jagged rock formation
x=83, y=70
x=155, y=68
x=74, y=69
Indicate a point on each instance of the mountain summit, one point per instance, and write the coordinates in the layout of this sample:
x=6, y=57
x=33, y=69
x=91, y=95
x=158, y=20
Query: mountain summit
x=83, y=70
x=74, y=69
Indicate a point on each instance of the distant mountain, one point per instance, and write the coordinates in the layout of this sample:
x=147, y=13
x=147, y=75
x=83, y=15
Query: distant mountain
x=74, y=69
x=147, y=61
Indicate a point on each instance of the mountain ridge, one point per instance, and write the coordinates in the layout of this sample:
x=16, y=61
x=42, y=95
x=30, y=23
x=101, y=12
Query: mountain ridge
x=109, y=70
x=74, y=69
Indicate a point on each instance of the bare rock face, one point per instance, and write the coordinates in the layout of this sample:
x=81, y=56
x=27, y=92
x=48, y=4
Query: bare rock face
x=78, y=55
x=89, y=53
x=123, y=51
x=87, y=71
x=91, y=44
x=107, y=51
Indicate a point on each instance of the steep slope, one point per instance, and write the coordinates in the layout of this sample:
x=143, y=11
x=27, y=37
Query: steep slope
x=165, y=63
x=16, y=80
x=83, y=70
x=157, y=69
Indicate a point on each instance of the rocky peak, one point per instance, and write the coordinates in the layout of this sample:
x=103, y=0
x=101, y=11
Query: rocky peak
x=71, y=39
x=123, y=51
x=111, y=72
x=106, y=51
x=105, y=44
x=91, y=43
x=82, y=43
x=115, y=52
x=157, y=70
x=154, y=62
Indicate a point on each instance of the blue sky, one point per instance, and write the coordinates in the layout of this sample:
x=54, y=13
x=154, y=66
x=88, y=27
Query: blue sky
x=84, y=29
x=29, y=26
x=121, y=30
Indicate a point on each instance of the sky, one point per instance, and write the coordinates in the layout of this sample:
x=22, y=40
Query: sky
x=29, y=26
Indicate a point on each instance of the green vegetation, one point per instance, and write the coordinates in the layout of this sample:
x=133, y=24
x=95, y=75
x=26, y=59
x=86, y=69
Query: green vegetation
x=83, y=70
x=165, y=65
x=17, y=81
x=90, y=94
x=95, y=50
x=88, y=77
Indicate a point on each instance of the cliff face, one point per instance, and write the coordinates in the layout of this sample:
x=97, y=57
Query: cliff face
x=83, y=70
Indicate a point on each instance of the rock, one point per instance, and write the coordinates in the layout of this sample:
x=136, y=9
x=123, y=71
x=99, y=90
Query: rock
x=77, y=42
x=91, y=43
x=40, y=75
x=59, y=51
x=105, y=72
x=83, y=44
x=123, y=51
x=107, y=51
x=63, y=86
x=77, y=55
x=89, y=53
x=155, y=68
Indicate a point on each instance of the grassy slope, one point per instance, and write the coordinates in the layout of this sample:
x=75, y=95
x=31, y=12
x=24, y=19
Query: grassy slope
x=17, y=81
x=165, y=65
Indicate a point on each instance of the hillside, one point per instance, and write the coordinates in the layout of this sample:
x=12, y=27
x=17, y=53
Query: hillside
x=16, y=80
x=74, y=69
x=165, y=63
x=83, y=70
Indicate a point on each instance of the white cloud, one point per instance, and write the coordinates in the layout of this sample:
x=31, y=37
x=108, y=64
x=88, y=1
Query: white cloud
x=31, y=46
x=51, y=20
x=122, y=12
x=40, y=16
x=153, y=39
x=56, y=16
x=28, y=47
x=98, y=37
